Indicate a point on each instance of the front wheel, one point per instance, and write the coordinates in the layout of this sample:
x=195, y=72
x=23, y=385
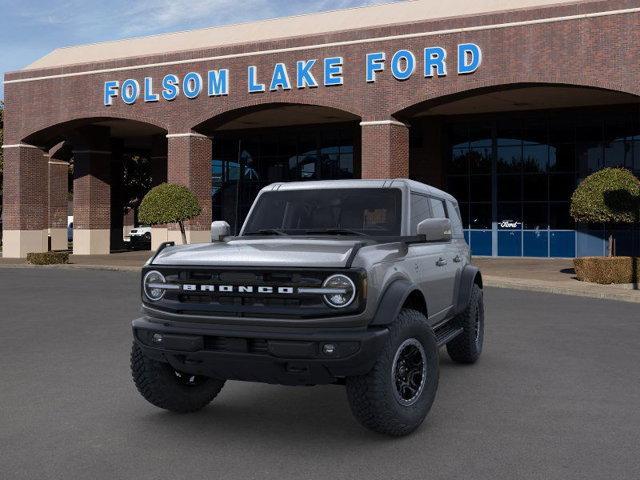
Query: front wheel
x=396, y=395
x=164, y=387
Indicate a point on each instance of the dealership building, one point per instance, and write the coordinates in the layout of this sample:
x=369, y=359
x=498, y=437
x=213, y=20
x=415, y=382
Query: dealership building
x=506, y=104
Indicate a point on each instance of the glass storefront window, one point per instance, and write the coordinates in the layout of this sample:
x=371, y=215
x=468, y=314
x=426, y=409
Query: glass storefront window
x=535, y=158
x=274, y=155
x=481, y=188
x=510, y=159
x=480, y=215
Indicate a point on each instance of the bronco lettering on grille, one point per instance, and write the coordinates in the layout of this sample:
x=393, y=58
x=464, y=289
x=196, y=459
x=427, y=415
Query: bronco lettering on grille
x=236, y=289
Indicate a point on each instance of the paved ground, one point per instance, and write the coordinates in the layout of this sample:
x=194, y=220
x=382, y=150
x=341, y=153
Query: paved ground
x=555, y=396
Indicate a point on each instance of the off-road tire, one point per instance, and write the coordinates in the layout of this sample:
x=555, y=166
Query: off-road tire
x=158, y=384
x=467, y=347
x=371, y=396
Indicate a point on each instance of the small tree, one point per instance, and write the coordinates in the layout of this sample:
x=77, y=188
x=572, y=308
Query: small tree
x=169, y=203
x=611, y=195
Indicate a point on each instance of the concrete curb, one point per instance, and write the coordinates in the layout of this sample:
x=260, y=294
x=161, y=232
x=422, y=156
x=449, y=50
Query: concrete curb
x=74, y=266
x=604, y=292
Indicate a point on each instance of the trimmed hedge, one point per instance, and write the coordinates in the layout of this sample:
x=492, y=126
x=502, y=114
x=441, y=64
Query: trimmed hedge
x=48, y=258
x=607, y=270
x=611, y=195
x=168, y=203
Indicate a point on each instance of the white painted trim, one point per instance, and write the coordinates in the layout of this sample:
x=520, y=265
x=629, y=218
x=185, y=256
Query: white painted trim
x=190, y=134
x=58, y=162
x=99, y=152
x=478, y=28
x=21, y=145
x=383, y=122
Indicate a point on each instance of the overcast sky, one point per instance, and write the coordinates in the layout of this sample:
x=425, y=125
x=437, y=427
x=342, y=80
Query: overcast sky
x=30, y=29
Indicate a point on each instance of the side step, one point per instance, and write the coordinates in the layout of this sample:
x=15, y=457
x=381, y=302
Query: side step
x=446, y=333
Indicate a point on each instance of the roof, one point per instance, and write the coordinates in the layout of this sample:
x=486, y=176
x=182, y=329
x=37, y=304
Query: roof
x=359, y=183
x=279, y=28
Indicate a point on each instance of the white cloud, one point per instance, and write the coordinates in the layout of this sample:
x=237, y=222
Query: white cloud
x=126, y=18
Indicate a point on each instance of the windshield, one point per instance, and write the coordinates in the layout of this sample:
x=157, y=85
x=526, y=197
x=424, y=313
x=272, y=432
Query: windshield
x=355, y=211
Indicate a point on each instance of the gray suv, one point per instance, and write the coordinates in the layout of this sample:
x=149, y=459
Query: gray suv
x=350, y=282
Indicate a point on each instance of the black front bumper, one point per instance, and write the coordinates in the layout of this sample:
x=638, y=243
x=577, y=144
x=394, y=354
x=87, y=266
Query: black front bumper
x=273, y=355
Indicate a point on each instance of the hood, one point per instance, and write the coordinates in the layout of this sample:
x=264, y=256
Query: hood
x=280, y=252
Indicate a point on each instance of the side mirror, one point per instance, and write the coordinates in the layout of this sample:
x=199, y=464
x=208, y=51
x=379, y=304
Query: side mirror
x=219, y=230
x=435, y=229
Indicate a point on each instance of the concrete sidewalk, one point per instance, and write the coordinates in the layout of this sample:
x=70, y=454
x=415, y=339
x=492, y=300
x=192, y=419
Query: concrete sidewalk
x=548, y=275
x=539, y=275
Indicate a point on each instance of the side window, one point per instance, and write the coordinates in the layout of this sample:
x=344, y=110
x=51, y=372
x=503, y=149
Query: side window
x=437, y=206
x=419, y=210
x=456, y=222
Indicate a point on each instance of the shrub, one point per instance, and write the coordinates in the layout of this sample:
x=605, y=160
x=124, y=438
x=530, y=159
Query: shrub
x=607, y=270
x=169, y=203
x=48, y=258
x=611, y=195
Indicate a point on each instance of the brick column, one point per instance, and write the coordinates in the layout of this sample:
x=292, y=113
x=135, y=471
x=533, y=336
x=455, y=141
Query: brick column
x=58, y=191
x=385, y=149
x=25, y=211
x=92, y=192
x=189, y=164
x=159, y=233
x=158, y=160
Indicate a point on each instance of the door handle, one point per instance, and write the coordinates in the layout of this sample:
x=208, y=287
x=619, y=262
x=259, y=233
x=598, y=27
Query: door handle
x=441, y=262
x=457, y=259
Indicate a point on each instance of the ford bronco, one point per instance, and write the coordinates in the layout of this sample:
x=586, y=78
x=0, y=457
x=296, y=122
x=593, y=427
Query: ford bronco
x=349, y=282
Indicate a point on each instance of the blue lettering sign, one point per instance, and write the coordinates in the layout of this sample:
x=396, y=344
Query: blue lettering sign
x=254, y=86
x=304, y=76
x=170, y=87
x=280, y=78
x=149, y=96
x=403, y=64
x=110, y=92
x=192, y=85
x=469, y=58
x=218, y=82
x=333, y=71
x=375, y=63
x=130, y=91
x=434, y=59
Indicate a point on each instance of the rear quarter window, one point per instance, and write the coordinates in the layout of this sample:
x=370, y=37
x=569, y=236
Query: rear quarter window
x=456, y=221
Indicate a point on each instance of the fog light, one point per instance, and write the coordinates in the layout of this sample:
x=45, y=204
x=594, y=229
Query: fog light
x=328, y=349
x=157, y=338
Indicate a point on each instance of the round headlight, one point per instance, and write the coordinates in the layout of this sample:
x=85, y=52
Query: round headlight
x=150, y=284
x=344, y=291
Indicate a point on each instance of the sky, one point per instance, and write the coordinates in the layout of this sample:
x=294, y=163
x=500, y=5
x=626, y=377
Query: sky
x=29, y=29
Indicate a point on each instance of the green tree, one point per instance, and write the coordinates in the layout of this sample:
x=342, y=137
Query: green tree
x=169, y=203
x=611, y=195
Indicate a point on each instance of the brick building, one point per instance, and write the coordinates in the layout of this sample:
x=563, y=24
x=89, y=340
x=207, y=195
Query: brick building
x=506, y=104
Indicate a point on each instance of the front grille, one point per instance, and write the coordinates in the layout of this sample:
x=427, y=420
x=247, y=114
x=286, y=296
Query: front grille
x=255, y=304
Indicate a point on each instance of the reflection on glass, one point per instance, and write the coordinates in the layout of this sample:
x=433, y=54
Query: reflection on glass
x=510, y=159
x=480, y=215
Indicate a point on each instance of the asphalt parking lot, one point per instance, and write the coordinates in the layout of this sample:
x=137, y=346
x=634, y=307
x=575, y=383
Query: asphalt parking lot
x=555, y=396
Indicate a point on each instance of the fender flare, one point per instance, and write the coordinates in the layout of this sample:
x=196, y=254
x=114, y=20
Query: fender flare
x=467, y=279
x=392, y=301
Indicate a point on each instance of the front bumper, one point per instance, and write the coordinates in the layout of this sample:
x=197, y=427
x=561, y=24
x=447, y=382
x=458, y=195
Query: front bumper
x=270, y=355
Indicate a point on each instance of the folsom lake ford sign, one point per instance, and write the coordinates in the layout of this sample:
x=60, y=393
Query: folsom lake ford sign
x=309, y=73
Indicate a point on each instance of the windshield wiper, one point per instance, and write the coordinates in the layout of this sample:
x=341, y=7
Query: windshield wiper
x=336, y=231
x=267, y=231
